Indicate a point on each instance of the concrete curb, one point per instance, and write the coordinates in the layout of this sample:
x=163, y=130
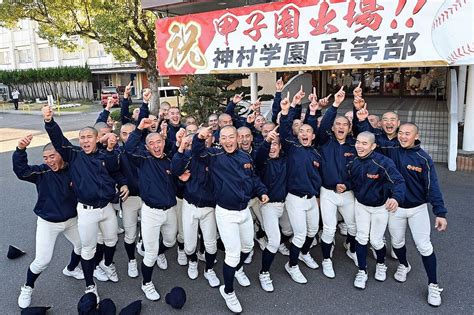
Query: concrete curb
x=34, y=112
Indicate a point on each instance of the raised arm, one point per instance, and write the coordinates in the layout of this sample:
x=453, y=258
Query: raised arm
x=230, y=110
x=125, y=116
x=276, y=101
x=60, y=143
x=21, y=168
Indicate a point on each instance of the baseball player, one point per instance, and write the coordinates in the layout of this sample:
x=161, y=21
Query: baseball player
x=378, y=188
x=418, y=170
x=158, y=191
x=95, y=174
x=56, y=211
x=198, y=207
x=303, y=185
x=234, y=183
x=212, y=121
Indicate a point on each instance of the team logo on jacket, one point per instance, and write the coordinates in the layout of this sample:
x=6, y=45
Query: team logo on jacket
x=316, y=164
x=248, y=165
x=168, y=172
x=373, y=176
x=348, y=154
x=414, y=168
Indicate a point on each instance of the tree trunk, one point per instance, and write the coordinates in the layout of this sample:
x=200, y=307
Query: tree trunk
x=153, y=80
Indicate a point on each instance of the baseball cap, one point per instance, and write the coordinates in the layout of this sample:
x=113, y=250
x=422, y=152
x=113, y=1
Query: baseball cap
x=133, y=308
x=35, y=310
x=14, y=252
x=176, y=297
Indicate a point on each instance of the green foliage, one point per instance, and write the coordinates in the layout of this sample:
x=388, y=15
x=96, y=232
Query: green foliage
x=59, y=74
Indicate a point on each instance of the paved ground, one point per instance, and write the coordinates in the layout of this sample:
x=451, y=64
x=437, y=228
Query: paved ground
x=321, y=295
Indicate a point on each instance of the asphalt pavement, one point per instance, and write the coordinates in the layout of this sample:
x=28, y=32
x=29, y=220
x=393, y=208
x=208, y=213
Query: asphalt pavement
x=453, y=248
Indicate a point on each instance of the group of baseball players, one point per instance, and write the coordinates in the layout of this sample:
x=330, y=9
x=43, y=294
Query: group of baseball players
x=233, y=181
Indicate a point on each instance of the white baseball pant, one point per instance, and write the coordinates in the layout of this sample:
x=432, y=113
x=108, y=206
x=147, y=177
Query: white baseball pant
x=304, y=217
x=419, y=221
x=179, y=217
x=254, y=205
x=90, y=221
x=204, y=217
x=236, y=232
x=331, y=202
x=130, y=209
x=371, y=221
x=46, y=234
x=271, y=213
x=154, y=221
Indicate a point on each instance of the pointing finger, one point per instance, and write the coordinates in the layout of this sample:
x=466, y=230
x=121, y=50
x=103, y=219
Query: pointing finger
x=288, y=95
x=360, y=82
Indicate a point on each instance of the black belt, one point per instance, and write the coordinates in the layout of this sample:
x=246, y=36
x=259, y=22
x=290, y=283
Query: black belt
x=306, y=196
x=86, y=207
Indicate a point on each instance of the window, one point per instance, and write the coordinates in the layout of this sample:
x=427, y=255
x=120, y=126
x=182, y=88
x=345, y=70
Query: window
x=24, y=55
x=96, y=50
x=67, y=55
x=4, y=58
x=46, y=54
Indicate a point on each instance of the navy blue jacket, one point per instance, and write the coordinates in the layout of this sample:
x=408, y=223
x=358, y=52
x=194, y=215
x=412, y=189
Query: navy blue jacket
x=157, y=184
x=56, y=199
x=103, y=116
x=236, y=120
x=125, y=116
x=418, y=170
x=276, y=108
x=198, y=189
x=95, y=175
x=380, y=135
x=130, y=171
x=375, y=179
x=303, y=162
x=172, y=130
x=272, y=172
x=335, y=156
x=232, y=174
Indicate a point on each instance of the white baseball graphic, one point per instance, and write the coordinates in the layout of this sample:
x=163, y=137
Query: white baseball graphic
x=452, y=32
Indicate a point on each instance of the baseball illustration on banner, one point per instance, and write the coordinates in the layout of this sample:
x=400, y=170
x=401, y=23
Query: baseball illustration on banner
x=454, y=40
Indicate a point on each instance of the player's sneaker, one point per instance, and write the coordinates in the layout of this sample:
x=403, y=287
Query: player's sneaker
x=361, y=279
x=351, y=255
x=262, y=242
x=161, y=262
x=92, y=289
x=295, y=273
x=231, y=300
x=241, y=277
x=211, y=277
x=76, y=273
x=150, y=291
x=308, y=260
x=140, y=250
x=132, y=268
x=100, y=274
x=266, y=281
x=328, y=270
x=182, y=258
x=248, y=260
x=342, y=228
x=380, y=272
x=193, y=270
x=284, y=250
x=110, y=271
x=401, y=273
x=24, y=300
x=434, y=294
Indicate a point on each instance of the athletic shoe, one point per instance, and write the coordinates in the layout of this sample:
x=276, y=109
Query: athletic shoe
x=295, y=273
x=392, y=253
x=150, y=291
x=211, y=277
x=361, y=279
x=76, y=273
x=140, y=251
x=201, y=256
x=262, y=242
x=100, y=274
x=24, y=300
x=342, y=228
x=132, y=268
x=182, y=258
x=241, y=277
x=231, y=300
x=248, y=260
x=110, y=271
x=308, y=260
x=284, y=250
x=380, y=272
x=374, y=253
x=352, y=256
x=92, y=289
x=266, y=281
x=193, y=270
x=120, y=230
x=161, y=262
x=434, y=294
x=328, y=270
x=402, y=271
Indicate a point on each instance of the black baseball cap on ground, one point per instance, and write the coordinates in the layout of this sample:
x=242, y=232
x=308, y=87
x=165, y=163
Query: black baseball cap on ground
x=133, y=308
x=176, y=298
x=35, y=310
x=14, y=252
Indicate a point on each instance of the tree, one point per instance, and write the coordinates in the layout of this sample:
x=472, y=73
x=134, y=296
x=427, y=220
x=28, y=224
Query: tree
x=122, y=27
